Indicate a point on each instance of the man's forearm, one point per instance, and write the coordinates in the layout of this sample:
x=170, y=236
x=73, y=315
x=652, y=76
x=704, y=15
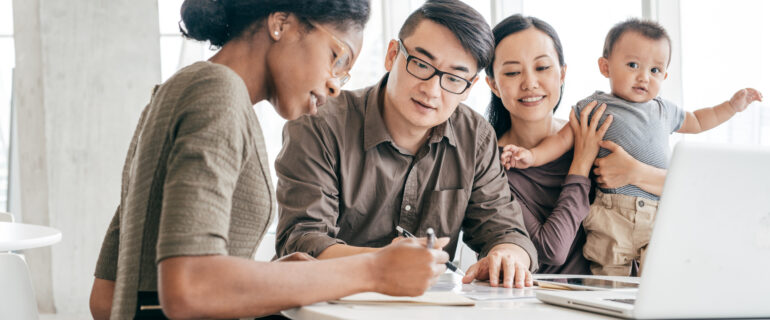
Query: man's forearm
x=343, y=250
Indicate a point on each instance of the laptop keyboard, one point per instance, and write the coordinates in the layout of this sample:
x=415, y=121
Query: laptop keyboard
x=628, y=301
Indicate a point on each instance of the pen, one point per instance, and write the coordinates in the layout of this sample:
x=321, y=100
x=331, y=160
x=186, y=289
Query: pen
x=449, y=265
x=431, y=238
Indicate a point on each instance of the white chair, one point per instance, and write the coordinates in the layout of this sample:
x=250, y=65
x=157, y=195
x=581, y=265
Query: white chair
x=8, y=217
x=17, y=298
x=464, y=256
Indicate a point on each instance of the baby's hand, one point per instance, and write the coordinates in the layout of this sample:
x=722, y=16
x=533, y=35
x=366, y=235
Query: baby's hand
x=516, y=157
x=743, y=98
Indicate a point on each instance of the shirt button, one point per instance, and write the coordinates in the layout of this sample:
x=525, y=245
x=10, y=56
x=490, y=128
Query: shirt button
x=641, y=204
x=408, y=207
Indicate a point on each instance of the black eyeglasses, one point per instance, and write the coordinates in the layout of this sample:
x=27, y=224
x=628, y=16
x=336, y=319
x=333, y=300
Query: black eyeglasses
x=422, y=70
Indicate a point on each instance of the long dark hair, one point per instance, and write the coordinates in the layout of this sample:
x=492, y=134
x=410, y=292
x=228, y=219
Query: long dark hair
x=498, y=116
x=219, y=21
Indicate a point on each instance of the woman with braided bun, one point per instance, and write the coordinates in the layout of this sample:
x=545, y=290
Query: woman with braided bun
x=196, y=195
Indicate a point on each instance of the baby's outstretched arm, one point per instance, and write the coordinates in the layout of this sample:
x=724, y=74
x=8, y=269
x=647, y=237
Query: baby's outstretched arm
x=553, y=147
x=707, y=118
x=550, y=149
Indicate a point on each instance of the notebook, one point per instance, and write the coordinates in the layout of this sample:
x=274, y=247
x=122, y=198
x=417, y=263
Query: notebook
x=430, y=298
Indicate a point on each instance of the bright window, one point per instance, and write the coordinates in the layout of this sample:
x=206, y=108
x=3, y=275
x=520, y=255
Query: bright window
x=725, y=47
x=177, y=52
x=7, y=63
x=582, y=27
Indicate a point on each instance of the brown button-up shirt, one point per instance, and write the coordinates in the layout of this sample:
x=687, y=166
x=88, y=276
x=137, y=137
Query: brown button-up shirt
x=342, y=179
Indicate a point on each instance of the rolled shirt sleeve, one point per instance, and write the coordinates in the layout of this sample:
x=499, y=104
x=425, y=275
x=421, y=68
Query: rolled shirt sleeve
x=493, y=216
x=307, y=189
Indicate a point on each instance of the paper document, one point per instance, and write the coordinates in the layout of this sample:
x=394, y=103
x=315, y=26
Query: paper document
x=481, y=290
x=431, y=298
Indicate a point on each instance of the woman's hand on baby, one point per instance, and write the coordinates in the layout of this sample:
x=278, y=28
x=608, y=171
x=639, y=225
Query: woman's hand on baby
x=587, y=136
x=514, y=156
x=741, y=99
x=616, y=169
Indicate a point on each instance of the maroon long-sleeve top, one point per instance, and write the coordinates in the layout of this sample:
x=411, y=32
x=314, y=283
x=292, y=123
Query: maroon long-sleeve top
x=554, y=205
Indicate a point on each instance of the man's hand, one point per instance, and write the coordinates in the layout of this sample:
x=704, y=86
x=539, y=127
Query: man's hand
x=506, y=259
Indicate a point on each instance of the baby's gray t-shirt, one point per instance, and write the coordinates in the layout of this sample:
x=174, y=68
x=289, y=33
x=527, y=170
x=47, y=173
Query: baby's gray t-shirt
x=642, y=129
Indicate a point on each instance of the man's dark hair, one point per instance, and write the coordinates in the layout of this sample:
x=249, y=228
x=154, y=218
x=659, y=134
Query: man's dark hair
x=219, y=21
x=649, y=29
x=467, y=24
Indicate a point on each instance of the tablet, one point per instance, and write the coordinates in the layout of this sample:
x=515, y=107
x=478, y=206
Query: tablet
x=584, y=284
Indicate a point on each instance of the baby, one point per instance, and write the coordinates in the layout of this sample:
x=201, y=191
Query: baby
x=619, y=223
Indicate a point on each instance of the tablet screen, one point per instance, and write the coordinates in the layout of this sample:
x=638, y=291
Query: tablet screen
x=593, y=283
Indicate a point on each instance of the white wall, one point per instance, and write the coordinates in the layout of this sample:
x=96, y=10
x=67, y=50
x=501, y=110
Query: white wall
x=84, y=72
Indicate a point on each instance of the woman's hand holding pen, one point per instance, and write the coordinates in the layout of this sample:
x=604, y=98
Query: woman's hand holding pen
x=406, y=268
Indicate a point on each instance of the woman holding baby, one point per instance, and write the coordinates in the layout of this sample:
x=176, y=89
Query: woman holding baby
x=527, y=79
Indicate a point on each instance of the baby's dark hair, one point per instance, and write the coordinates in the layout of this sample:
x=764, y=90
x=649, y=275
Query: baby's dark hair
x=467, y=24
x=650, y=29
x=219, y=21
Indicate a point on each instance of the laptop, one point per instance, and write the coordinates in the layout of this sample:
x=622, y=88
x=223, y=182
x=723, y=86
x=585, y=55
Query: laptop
x=709, y=254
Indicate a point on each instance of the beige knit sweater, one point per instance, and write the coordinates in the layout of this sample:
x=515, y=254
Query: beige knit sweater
x=195, y=182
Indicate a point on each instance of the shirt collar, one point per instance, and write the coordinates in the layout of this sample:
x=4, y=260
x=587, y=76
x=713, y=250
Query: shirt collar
x=444, y=130
x=375, y=131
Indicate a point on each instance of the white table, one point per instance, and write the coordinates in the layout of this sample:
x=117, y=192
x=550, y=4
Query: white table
x=20, y=236
x=17, y=296
x=519, y=308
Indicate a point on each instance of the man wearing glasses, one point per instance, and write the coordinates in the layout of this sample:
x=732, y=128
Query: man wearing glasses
x=405, y=152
